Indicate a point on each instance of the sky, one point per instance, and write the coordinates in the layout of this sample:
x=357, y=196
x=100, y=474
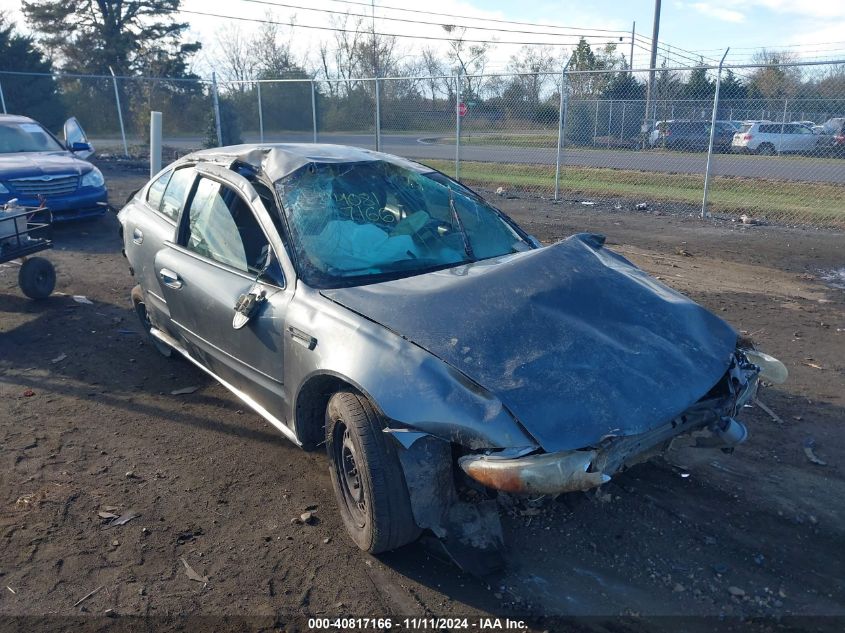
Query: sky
x=689, y=29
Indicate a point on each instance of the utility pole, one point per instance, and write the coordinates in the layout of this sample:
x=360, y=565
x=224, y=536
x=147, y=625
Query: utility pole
x=654, y=35
x=375, y=80
x=633, y=35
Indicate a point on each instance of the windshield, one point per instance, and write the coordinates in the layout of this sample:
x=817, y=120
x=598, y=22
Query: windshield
x=26, y=137
x=354, y=223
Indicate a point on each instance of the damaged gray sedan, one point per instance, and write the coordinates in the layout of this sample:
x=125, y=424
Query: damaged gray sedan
x=375, y=306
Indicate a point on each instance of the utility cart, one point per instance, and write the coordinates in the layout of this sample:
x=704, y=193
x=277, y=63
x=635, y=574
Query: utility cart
x=25, y=231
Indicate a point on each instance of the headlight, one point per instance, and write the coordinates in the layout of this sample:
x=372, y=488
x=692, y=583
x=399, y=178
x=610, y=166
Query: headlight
x=93, y=178
x=771, y=369
x=3, y=188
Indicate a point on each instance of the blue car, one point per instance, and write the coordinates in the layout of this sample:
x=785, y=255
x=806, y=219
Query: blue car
x=35, y=164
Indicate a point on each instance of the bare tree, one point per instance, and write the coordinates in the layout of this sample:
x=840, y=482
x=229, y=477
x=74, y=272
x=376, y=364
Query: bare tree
x=233, y=56
x=470, y=59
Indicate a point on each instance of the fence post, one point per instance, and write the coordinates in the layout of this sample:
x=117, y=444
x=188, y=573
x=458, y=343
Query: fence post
x=622, y=130
x=314, y=109
x=215, y=101
x=561, y=124
x=2, y=99
x=596, y=124
x=458, y=126
x=712, y=135
x=609, y=120
x=119, y=112
x=782, y=124
x=260, y=113
x=378, y=117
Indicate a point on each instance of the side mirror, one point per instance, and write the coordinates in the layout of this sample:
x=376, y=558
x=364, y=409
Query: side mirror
x=80, y=147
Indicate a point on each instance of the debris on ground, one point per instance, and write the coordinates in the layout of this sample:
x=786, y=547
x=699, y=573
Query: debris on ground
x=809, y=451
x=83, y=300
x=501, y=191
x=86, y=596
x=808, y=363
x=747, y=219
x=26, y=501
x=682, y=252
x=190, y=573
x=768, y=411
x=736, y=591
x=307, y=517
x=59, y=358
x=124, y=518
x=183, y=391
x=106, y=515
x=588, y=203
x=28, y=393
x=642, y=206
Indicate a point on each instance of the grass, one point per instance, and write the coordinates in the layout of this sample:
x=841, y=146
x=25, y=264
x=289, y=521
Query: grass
x=814, y=203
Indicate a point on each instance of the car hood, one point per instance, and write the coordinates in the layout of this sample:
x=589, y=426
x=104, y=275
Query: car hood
x=34, y=164
x=575, y=340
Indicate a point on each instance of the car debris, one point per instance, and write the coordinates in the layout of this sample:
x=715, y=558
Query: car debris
x=809, y=451
x=190, y=573
x=124, y=518
x=59, y=358
x=87, y=595
x=183, y=391
x=83, y=300
x=775, y=417
x=426, y=341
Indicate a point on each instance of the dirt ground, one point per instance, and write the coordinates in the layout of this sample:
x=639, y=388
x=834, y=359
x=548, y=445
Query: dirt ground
x=88, y=424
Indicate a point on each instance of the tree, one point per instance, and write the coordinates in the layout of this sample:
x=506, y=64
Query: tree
x=468, y=59
x=698, y=85
x=774, y=80
x=29, y=95
x=130, y=36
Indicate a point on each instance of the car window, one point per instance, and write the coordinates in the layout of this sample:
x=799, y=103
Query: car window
x=176, y=192
x=26, y=137
x=746, y=128
x=156, y=189
x=351, y=222
x=770, y=129
x=222, y=227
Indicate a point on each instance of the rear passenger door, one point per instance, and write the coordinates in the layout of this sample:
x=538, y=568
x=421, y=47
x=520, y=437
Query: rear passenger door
x=221, y=248
x=150, y=226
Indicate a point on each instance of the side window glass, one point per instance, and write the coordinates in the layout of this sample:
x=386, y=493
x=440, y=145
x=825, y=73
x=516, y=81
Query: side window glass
x=176, y=191
x=156, y=190
x=222, y=227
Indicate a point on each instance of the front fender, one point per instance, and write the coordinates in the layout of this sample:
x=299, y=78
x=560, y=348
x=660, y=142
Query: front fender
x=410, y=386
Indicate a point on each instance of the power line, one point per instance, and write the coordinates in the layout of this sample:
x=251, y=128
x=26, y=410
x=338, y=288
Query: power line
x=426, y=22
x=467, y=17
x=417, y=37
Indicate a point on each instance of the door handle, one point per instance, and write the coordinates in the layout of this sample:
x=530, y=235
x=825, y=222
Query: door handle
x=170, y=279
x=137, y=235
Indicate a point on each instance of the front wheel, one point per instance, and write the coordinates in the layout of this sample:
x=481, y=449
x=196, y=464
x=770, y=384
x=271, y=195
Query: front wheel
x=366, y=476
x=766, y=149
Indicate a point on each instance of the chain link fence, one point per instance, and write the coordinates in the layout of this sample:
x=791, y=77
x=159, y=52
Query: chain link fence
x=767, y=140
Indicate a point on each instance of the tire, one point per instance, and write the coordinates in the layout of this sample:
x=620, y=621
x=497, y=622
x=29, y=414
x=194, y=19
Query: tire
x=766, y=149
x=144, y=318
x=366, y=476
x=37, y=278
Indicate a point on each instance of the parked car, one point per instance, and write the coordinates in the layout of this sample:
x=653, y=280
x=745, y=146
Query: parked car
x=833, y=140
x=34, y=164
x=692, y=135
x=373, y=305
x=770, y=138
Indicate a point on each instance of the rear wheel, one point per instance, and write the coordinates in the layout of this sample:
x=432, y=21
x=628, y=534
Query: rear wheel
x=366, y=476
x=37, y=278
x=144, y=318
x=766, y=149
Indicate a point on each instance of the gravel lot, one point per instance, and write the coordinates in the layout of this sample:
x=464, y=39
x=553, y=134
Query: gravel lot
x=88, y=424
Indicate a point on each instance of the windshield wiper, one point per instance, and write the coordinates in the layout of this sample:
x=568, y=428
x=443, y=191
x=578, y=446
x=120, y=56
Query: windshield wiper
x=460, y=223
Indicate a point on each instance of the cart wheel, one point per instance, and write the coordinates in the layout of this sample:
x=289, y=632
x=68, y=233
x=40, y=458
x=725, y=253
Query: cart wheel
x=37, y=278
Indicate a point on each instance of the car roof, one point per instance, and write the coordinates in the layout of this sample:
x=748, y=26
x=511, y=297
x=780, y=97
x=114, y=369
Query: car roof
x=15, y=118
x=277, y=160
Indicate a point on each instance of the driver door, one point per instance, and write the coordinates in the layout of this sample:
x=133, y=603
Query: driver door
x=75, y=134
x=219, y=256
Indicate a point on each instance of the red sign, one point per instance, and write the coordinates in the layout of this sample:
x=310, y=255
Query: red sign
x=462, y=109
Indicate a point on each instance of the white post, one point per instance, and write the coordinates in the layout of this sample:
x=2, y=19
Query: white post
x=596, y=123
x=260, y=113
x=609, y=120
x=314, y=109
x=561, y=124
x=458, y=126
x=155, y=143
x=119, y=112
x=782, y=125
x=622, y=130
x=2, y=99
x=712, y=136
x=215, y=100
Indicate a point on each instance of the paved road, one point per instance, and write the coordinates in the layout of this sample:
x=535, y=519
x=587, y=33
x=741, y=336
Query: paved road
x=827, y=170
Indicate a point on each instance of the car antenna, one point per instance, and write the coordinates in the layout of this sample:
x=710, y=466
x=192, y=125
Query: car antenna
x=460, y=223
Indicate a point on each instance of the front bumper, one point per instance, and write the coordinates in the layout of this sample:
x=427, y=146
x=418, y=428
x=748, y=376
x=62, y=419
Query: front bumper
x=568, y=471
x=86, y=202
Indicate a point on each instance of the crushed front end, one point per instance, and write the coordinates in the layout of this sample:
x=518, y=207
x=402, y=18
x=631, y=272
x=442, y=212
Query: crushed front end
x=712, y=419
